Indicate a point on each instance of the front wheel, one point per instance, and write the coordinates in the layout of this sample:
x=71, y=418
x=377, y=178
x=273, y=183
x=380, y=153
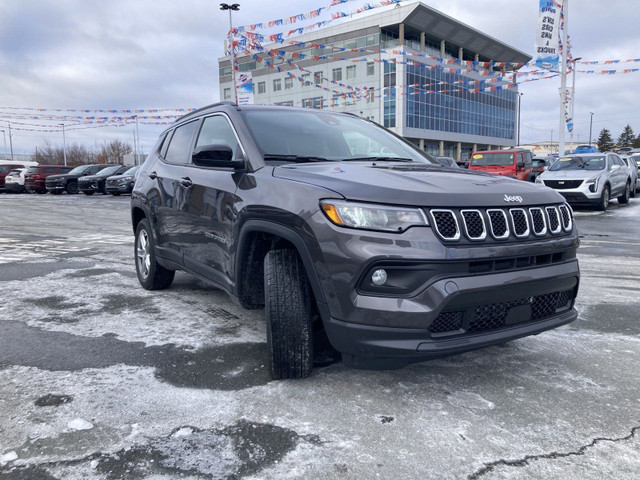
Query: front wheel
x=624, y=198
x=604, y=199
x=289, y=315
x=72, y=188
x=151, y=274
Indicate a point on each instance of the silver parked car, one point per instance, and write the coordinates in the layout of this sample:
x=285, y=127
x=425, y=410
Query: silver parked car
x=589, y=179
x=632, y=165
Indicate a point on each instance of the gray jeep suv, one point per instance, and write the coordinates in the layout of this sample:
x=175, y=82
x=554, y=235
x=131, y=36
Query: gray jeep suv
x=330, y=222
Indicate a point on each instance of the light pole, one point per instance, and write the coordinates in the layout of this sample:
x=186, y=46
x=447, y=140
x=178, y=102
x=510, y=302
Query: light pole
x=64, y=145
x=573, y=94
x=5, y=142
x=563, y=78
x=230, y=7
x=519, y=102
x=590, y=125
x=10, y=141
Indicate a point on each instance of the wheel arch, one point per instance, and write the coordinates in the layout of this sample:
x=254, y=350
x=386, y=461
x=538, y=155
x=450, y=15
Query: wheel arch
x=256, y=238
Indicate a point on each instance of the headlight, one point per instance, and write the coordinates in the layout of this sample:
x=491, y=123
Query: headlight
x=593, y=184
x=125, y=179
x=373, y=217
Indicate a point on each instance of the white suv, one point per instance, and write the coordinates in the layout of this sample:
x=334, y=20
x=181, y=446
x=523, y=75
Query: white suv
x=632, y=166
x=14, y=181
x=589, y=179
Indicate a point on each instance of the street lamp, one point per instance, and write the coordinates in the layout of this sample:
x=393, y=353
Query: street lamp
x=590, y=125
x=5, y=142
x=519, y=102
x=64, y=145
x=230, y=7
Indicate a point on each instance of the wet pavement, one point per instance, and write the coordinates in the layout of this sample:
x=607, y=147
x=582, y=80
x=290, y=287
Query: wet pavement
x=101, y=379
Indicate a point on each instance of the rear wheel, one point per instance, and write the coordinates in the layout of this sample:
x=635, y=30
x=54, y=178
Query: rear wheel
x=289, y=315
x=624, y=198
x=151, y=274
x=604, y=199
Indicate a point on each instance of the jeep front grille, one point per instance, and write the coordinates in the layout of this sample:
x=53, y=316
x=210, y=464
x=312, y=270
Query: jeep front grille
x=518, y=223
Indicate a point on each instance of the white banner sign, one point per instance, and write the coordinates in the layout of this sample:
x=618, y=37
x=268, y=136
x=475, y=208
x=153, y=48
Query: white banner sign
x=547, y=34
x=244, y=88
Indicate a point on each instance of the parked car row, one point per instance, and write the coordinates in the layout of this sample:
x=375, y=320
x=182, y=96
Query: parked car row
x=56, y=179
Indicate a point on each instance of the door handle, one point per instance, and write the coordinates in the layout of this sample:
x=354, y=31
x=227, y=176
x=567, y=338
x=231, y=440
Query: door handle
x=152, y=175
x=186, y=182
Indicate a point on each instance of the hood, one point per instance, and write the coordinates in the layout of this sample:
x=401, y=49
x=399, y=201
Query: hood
x=571, y=174
x=417, y=184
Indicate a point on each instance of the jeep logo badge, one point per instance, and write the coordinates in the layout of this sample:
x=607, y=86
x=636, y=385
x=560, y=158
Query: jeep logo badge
x=513, y=198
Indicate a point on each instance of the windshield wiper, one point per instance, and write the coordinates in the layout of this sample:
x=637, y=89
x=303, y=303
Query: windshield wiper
x=293, y=158
x=378, y=159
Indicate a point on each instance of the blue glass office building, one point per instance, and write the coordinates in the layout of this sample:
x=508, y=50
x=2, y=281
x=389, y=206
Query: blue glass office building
x=415, y=70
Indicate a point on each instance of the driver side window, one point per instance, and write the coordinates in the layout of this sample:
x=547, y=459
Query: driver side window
x=216, y=130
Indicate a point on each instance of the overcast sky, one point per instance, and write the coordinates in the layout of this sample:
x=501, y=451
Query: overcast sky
x=159, y=54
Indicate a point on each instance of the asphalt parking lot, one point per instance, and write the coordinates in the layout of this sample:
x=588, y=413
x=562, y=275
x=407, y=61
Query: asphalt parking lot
x=100, y=379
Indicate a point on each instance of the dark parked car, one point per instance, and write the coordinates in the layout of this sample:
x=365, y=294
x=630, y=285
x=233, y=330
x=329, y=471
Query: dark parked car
x=122, y=183
x=35, y=177
x=331, y=222
x=68, y=182
x=90, y=184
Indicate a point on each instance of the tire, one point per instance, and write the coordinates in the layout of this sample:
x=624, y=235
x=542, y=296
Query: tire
x=604, y=199
x=72, y=188
x=151, y=275
x=289, y=315
x=624, y=198
x=115, y=194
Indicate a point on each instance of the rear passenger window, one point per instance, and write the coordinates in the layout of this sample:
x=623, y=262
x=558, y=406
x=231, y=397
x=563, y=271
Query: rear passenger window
x=216, y=130
x=179, y=150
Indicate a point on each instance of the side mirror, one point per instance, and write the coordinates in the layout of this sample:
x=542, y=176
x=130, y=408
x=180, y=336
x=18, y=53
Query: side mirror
x=217, y=156
x=615, y=167
x=520, y=164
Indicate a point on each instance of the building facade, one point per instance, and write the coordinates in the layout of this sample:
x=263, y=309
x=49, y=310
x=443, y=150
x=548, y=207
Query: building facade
x=435, y=81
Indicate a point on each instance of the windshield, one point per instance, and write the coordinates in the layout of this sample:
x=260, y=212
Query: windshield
x=294, y=135
x=110, y=170
x=492, y=159
x=131, y=171
x=579, y=163
x=78, y=169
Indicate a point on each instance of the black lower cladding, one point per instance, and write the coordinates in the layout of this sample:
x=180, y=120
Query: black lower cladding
x=490, y=317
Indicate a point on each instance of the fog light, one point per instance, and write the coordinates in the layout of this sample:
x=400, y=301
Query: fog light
x=379, y=277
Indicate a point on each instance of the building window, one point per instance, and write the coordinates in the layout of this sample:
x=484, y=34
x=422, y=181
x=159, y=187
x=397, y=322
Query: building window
x=288, y=83
x=317, y=78
x=288, y=103
x=262, y=87
x=305, y=79
x=389, y=94
x=336, y=74
x=277, y=84
x=370, y=69
x=315, y=102
x=351, y=72
x=227, y=93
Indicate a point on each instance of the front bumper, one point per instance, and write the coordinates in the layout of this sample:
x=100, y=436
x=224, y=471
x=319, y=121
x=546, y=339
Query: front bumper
x=89, y=186
x=580, y=195
x=116, y=187
x=458, y=314
x=58, y=186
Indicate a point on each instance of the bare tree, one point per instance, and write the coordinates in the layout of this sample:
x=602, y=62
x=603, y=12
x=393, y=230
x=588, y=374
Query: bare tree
x=115, y=151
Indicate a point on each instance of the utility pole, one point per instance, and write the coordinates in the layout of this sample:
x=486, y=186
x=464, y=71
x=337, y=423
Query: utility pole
x=590, y=125
x=10, y=141
x=563, y=77
x=235, y=7
x=64, y=145
x=5, y=142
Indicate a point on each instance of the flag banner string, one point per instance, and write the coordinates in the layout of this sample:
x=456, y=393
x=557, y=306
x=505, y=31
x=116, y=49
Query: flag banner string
x=301, y=17
x=151, y=110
